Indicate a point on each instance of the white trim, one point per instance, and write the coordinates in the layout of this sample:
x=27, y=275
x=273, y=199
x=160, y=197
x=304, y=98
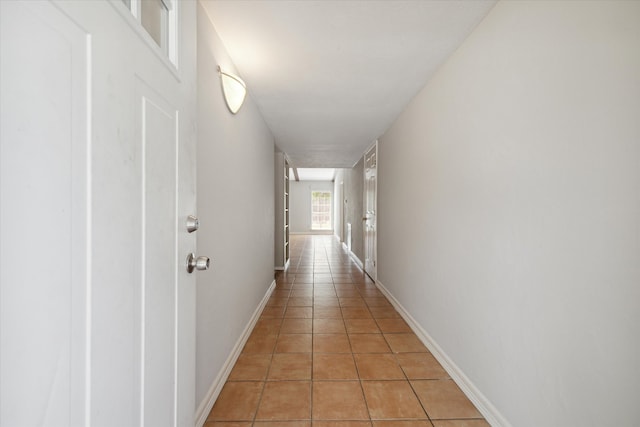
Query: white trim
x=283, y=267
x=89, y=234
x=486, y=408
x=357, y=260
x=216, y=387
x=353, y=256
x=374, y=148
x=373, y=144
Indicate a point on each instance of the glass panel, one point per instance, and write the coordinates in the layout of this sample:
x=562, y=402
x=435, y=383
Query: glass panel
x=320, y=210
x=153, y=14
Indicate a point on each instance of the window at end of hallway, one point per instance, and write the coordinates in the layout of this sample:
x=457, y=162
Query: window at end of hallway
x=321, y=210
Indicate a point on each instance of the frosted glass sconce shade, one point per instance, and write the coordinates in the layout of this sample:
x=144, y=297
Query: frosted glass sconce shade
x=234, y=90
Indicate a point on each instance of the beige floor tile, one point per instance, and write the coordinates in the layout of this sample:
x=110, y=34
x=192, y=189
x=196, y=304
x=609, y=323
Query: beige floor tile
x=326, y=302
x=327, y=313
x=300, y=302
x=237, y=401
x=331, y=343
x=283, y=278
x=421, y=366
x=347, y=293
x=384, y=313
x=325, y=292
x=361, y=326
x=285, y=400
x=341, y=424
x=338, y=400
x=277, y=301
x=334, y=367
x=272, y=312
x=267, y=326
x=377, y=301
x=226, y=424
x=282, y=424
x=280, y=293
x=290, y=366
x=356, y=313
x=405, y=343
x=296, y=326
x=328, y=326
x=302, y=293
x=460, y=423
x=403, y=423
x=368, y=343
x=391, y=400
x=393, y=326
x=346, y=279
x=371, y=293
x=352, y=302
x=298, y=313
x=303, y=286
x=381, y=366
x=442, y=399
x=251, y=367
x=346, y=286
x=293, y=343
x=301, y=353
x=259, y=343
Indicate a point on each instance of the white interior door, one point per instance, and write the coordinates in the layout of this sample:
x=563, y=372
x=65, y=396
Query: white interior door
x=97, y=154
x=369, y=219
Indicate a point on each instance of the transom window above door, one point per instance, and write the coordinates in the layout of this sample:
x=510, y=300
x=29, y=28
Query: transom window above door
x=158, y=18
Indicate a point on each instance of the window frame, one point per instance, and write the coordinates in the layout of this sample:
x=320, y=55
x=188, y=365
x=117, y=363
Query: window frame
x=131, y=11
x=330, y=211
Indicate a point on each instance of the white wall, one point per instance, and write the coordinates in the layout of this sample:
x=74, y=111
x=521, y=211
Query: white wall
x=236, y=210
x=300, y=203
x=509, y=211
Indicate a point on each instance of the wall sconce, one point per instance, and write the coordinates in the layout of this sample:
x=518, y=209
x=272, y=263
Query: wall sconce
x=234, y=90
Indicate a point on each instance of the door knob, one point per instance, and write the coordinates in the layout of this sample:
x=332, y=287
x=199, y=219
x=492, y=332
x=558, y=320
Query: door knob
x=200, y=263
x=192, y=223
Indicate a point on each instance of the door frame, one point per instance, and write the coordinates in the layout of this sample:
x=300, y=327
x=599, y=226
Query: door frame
x=371, y=272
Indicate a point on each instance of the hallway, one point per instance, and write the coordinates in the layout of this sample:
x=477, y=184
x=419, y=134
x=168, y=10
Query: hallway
x=330, y=348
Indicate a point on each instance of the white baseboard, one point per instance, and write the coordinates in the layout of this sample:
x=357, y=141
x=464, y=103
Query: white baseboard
x=356, y=259
x=216, y=387
x=282, y=267
x=353, y=256
x=486, y=408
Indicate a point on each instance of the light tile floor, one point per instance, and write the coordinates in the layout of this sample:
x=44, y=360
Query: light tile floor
x=329, y=350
